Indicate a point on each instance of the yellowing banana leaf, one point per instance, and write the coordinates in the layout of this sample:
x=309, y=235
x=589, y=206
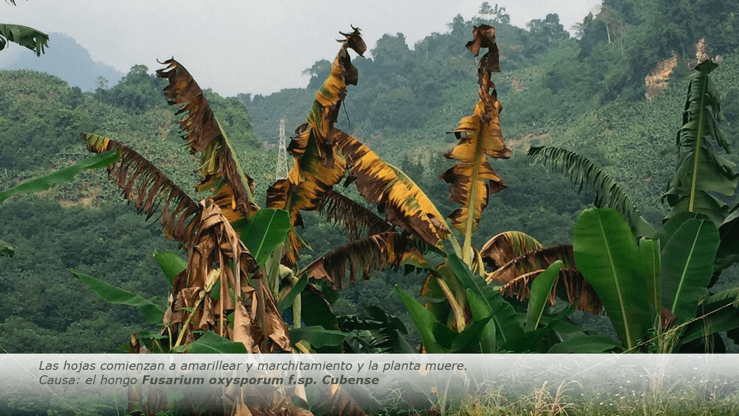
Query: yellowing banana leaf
x=220, y=169
x=148, y=187
x=316, y=168
x=472, y=179
x=403, y=202
x=506, y=246
x=569, y=285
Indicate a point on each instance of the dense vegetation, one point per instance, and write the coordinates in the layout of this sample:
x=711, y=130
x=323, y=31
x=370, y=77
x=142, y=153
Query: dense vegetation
x=585, y=93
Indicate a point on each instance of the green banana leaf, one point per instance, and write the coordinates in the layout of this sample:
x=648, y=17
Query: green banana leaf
x=211, y=343
x=424, y=321
x=318, y=337
x=541, y=287
x=297, y=289
x=480, y=310
x=607, y=255
x=585, y=344
x=650, y=255
x=687, y=266
x=25, y=36
x=111, y=294
x=717, y=313
x=171, y=264
x=62, y=175
x=266, y=230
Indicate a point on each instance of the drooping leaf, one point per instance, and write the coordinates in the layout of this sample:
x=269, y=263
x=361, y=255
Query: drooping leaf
x=717, y=313
x=25, y=36
x=111, y=294
x=585, y=344
x=62, y=175
x=687, y=266
x=211, y=343
x=266, y=230
x=217, y=255
x=353, y=216
x=582, y=172
x=506, y=246
x=368, y=255
x=147, y=187
x=532, y=261
x=608, y=258
x=568, y=284
x=318, y=337
x=699, y=167
x=392, y=191
x=171, y=264
x=220, y=169
x=540, y=291
x=424, y=321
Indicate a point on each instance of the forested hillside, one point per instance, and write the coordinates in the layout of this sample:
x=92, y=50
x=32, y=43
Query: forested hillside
x=614, y=92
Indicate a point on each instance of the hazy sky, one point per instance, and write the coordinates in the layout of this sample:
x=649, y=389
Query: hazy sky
x=251, y=46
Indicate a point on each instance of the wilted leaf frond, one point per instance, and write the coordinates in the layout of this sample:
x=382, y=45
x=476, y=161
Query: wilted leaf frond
x=402, y=200
x=506, y=246
x=353, y=216
x=220, y=170
x=316, y=167
x=214, y=246
x=581, y=172
x=25, y=36
x=147, y=187
x=570, y=283
x=472, y=179
x=532, y=261
x=368, y=255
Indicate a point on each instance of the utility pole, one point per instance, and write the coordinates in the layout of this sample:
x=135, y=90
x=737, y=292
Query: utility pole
x=281, y=171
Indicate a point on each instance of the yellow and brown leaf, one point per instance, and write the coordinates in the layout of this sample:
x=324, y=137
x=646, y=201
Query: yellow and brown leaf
x=570, y=284
x=506, y=246
x=220, y=169
x=403, y=202
x=472, y=179
x=365, y=256
x=147, y=187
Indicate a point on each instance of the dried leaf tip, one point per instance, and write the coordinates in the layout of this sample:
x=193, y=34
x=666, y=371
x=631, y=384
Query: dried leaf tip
x=354, y=41
x=483, y=36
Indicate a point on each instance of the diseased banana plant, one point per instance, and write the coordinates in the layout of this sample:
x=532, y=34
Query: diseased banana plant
x=661, y=286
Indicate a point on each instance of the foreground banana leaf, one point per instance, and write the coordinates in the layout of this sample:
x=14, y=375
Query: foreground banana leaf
x=609, y=259
x=30, y=38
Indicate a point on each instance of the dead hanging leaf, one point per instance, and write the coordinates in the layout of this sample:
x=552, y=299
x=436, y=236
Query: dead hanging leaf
x=353, y=216
x=576, y=289
x=316, y=168
x=402, y=200
x=214, y=246
x=483, y=36
x=220, y=170
x=506, y=246
x=368, y=255
x=532, y=261
x=147, y=187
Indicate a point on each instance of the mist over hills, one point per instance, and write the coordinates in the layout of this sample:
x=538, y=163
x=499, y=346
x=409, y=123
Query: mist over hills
x=66, y=59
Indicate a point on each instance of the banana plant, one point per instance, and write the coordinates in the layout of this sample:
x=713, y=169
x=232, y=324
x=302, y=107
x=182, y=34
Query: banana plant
x=25, y=36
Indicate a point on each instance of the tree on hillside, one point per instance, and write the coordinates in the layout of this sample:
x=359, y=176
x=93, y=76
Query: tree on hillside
x=25, y=36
